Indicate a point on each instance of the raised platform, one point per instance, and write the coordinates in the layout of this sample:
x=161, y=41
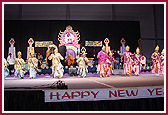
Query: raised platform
x=90, y=82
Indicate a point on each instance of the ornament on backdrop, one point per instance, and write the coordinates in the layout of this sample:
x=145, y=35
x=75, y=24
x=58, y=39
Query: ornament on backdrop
x=12, y=48
x=107, y=47
x=30, y=48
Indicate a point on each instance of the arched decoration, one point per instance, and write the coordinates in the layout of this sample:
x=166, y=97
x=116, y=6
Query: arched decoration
x=70, y=39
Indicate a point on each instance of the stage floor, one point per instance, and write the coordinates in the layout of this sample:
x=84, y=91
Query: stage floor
x=89, y=82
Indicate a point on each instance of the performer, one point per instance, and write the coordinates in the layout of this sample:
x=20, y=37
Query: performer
x=57, y=68
x=109, y=60
x=6, y=70
x=156, y=61
x=19, y=66
x=127, y=67
x=82, y=69
x=122, y=48
x=102, y=57
x=137, y=62
x=32, y=65
x=69, y=59
x=162, y=63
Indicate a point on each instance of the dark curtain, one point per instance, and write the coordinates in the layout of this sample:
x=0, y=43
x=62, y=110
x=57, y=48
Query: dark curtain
x=21, y=31
x=34, y=101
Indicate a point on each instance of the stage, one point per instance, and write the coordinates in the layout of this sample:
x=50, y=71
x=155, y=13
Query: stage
x=89, y=82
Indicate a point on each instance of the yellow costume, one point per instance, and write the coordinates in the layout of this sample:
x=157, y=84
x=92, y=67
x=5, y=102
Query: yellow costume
x=19, y=66
x=32, y=65
x=57, y=68
x=82, y=69
x=6, y=70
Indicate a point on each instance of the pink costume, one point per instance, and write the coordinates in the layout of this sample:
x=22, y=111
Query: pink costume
x=162, y=64
x=138, y=65
x=102, y=63
x=109, y=70
x=156, y=62
x=127, y=67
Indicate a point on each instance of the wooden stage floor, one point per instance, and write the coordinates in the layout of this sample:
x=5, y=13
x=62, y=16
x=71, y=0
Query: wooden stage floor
x=90, y=82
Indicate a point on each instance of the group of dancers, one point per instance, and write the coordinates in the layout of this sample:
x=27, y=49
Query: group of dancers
x=132, y=63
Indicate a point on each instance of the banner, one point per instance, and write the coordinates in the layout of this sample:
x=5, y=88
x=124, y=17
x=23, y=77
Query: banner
x=93, y=43
x=102, y=94
x=43, y=43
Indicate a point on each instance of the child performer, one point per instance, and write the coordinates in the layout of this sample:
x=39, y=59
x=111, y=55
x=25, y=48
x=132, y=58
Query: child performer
x=57, y=68
x=137, y=62
x=19, y=66
x=82, y=70
x=156, y=61
x=127, y=67
x=102, y=63
x=162, y=63
x=32, y=64
x=6, y=70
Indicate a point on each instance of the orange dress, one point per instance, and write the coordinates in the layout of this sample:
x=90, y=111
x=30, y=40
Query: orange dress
x=70, y=60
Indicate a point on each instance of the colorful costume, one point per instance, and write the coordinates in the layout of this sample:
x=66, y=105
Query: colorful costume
x=137, y=62
x=32, y=64
x=156, y=61
x=70, y=60
x=19, y=66
x=109, y=60
x=6, y=70
x=57, y=68
x=82, y=69
x=101, y=56
x=127, y=67
x=162, y=62
x=104, y=62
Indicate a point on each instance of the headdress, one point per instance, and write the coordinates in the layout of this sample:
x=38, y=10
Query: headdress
x=19, y=53
x=103, y=47
x=32, y=52
x=157, y=48
x=137, y=50
x=127, y=47
x=162, y=52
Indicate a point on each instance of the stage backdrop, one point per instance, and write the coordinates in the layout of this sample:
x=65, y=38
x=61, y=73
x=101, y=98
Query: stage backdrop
x=21, y=31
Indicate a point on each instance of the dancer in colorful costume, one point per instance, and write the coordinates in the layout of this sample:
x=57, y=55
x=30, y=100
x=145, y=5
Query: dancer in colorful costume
x=102, y=57
x=156, y=61
x=82, y=69
x=32, y=65
x=69, y=59
x=127, y=66
x=6, y=70
x=162, y=63
x=19, y=66
x=109, y=60
x=57, y=68
x=137, y=62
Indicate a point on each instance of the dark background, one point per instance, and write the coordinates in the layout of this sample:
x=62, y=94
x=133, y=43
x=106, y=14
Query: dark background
x=21, y=31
